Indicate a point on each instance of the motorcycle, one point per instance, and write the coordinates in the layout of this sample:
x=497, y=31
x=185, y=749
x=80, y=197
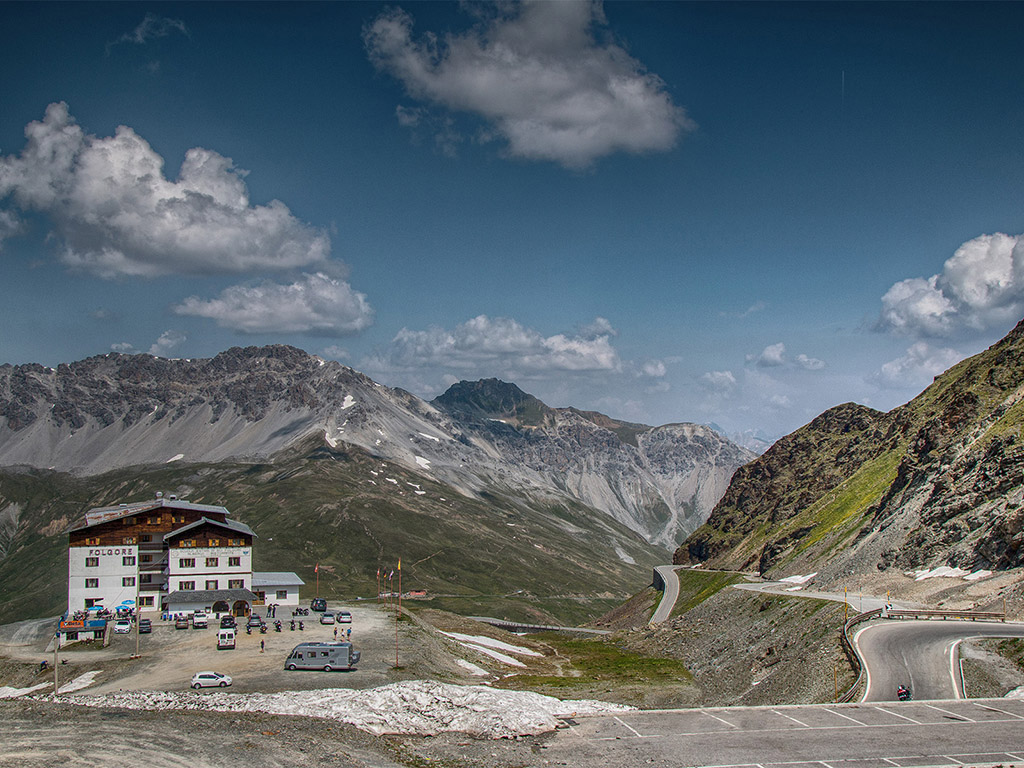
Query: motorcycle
x=903, y=693
x=263, y=629
x=292, y=627
x=300, y=626
x=277, y=625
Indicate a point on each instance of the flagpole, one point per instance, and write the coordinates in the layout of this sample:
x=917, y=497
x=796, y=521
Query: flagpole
x=317, y=572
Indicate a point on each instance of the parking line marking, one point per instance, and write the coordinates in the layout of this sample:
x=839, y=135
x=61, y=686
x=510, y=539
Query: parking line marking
x=781, y=714
x=954, y=715
x=726, y=722
x=896, y=714
x=840, y=714
x=1001, y=711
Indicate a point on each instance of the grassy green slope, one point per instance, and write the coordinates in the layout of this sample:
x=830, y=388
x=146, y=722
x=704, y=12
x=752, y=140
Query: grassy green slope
x=504, y=554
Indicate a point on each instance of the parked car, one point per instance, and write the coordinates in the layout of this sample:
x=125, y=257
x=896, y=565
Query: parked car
x=122, y=627
x=145, y=626
x=210, y=680
x=254, y=622
x=327, y=618
x=181, y=622
x=228, y=622
x=344, y=617
x=318, y=604
x=199, y=620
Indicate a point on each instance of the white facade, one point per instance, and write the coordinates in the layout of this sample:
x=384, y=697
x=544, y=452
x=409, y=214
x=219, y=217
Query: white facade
x=102, y=576
x=280, y=588
x=208, y=568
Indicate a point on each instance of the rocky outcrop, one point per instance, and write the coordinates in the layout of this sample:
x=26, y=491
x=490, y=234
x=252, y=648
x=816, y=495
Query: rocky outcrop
x=937, y=481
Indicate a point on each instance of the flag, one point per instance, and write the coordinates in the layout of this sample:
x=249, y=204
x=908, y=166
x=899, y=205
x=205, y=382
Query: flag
x=391, y=575
x=378, y=573
x=399, y=563
x=317, y=569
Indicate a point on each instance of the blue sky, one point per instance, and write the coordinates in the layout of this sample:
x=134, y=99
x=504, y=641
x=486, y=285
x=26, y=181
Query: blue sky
x=714, y=212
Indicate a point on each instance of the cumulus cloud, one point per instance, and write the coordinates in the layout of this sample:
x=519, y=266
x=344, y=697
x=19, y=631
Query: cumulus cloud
x=809, y=363
x=917, y=367
x=653, y=369
x=771, y=356
x=315, y=303
x=116, y=214
x=495, y=346
x=168, y=341
x=538, y=77
x=980, y=288
x=719, y=382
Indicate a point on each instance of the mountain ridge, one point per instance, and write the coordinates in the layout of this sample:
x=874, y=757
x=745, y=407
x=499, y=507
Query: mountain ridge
x=112, y=411
x=936, y=481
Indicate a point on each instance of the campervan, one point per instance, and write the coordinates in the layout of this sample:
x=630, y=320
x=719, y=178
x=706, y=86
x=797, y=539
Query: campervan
x=225, y=639
x=325, y=656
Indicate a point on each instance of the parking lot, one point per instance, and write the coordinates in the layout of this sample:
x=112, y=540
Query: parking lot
x=169, y=657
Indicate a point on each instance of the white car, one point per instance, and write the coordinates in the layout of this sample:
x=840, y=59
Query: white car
x=326, y=618
x=122, y=627
x=210, y=680
x=344, y=617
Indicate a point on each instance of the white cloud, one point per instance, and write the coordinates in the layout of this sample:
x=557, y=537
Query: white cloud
x=499, y=346
x=809, y=363
x=117, y=215
x=653, y=369
x=537, y=75
x=168, y=341
x=916, y=368
x=720, y=382
x=10, y=225
x=980, y=288
x=771, y=356
x=315, y=303
x=123, y=347
x=151, y=28
x=335, y=352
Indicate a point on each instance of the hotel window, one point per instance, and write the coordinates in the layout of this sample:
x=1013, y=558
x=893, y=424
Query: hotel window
x=236, y=583
x=236, y=542
x=146, y=602
x=146, y=537
x=92, y=583
x=282, y=594
x=211, y=583
x=130, y=540
x=92, y=562
x=186, y=562
x=146, y=578
x=145, y=558
x=92, y=542
x=128, y=581
x=234, y=562
x=186, y=586
x=213, y=543
x=187, y=543
x=153, y=521
x=211, y=562
x=130, y=560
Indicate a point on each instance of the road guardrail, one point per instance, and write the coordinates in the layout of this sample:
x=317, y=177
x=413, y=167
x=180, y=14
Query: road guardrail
x=900, y=613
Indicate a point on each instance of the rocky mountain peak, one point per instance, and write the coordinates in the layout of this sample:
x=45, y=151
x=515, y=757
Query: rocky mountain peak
x=492, y=399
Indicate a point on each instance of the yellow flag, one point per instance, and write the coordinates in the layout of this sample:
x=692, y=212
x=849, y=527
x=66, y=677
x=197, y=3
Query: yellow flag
x=399, y=563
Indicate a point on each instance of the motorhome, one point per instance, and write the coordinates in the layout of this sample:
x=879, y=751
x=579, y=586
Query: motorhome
x=225, y=639
x=325, y=656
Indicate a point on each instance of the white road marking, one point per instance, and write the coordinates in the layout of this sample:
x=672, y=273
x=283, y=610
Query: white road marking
x=627, y=725
x=1001, y=711
x=836, y=712
x=951, y=714
x=726, y=722
x=953, y=655
x=897, y=714
x=781, y=714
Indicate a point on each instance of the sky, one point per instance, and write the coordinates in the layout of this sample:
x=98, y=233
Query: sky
x=730, y=213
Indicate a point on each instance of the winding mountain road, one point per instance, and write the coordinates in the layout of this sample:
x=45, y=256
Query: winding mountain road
x=923, y=655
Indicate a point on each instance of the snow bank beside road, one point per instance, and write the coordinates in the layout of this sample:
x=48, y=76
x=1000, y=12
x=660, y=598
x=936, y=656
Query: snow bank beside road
x=421, y=708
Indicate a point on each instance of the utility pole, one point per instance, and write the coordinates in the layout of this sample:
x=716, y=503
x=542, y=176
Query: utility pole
x=56, y=645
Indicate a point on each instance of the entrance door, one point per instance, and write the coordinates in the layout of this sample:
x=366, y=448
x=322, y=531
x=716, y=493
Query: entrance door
x=240, y=608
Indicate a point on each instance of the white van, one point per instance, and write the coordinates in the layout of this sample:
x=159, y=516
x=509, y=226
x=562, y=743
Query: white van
x=325, y=656
x=225, y=639
x=199, y=620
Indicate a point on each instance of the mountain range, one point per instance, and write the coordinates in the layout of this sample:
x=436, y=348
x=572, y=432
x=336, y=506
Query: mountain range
x=114, y=411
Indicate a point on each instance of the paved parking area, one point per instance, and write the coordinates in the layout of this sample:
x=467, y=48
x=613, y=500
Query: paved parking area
x=895, y=735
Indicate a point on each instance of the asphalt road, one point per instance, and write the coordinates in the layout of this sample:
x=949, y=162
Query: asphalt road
x=898, y=735
x=669, y=595
x=923, y=655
